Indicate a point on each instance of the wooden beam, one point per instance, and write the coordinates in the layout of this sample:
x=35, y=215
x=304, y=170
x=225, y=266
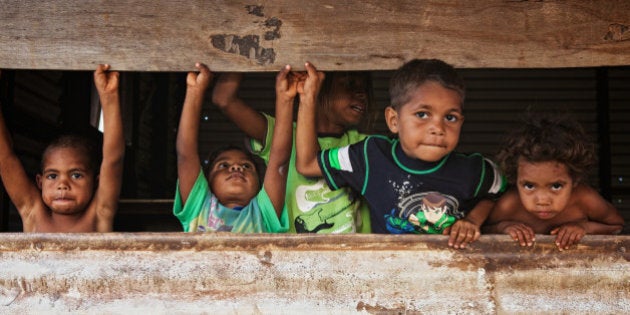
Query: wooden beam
x=149, y=35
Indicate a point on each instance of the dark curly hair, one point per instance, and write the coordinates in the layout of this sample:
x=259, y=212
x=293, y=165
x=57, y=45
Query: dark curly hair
x=416, y=72
x=548, y=137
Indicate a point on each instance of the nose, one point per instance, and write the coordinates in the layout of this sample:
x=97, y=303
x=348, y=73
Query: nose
x=360, y=95
x=236, y=168
x=62, y=184
x=542, y=198
x=437, y=127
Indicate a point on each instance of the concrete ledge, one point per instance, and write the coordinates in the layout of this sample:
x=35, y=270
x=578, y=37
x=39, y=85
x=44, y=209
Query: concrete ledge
x=175, y=273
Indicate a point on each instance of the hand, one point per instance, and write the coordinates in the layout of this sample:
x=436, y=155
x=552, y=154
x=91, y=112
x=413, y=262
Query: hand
x=568, y=234
x=199, y=81
x=309, y=88
x=520, y=232
x=106, y=81
x=462, y=233
x=287, y=83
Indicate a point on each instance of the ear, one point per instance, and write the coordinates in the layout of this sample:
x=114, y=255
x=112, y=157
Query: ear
x=391, y=118
x=38, y=180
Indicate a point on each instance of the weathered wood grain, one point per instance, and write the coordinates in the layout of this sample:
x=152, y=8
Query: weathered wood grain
x=147, y=35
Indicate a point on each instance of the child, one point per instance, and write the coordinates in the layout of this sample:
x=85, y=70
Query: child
x=231, y=199
x=547, y=159
x=72, y=194
x=414, y=184
x=312, y=206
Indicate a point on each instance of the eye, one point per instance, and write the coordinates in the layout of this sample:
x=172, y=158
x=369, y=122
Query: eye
x=76, y=175
x=422, y=115
x=451, y=118
x=528, y=186
x=222, y=165
x=556, y=186
x=248, y=166
x=51, y=176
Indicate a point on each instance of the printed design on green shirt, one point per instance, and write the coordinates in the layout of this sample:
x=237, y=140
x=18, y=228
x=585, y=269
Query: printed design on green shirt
x=209, y=219
x=426, y=212
x=313, y=217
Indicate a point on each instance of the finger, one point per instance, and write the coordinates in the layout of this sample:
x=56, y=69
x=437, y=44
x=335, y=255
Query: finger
x=203, y=70
x=462, y=238
x=561, y=239
x=282, y=75
x=520, y=237
x=310, y=69
x=529, y=236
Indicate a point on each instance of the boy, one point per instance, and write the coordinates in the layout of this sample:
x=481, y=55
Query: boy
x=547, y=159
x=231, y=198
x=71, y=194
x=313, y=207
x=414, y=184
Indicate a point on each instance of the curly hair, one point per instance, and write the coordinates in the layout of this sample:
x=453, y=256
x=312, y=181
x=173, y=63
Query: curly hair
x=551, y=137
x=417, y=72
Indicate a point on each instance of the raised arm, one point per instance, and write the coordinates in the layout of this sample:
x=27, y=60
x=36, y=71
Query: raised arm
x=110, y=178
x=22, y=191
x=277, y=167
x=225, y=96
x=306, y=145
x=188, y=161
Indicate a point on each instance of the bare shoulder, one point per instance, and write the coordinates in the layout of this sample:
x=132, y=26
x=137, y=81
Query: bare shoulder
x=586, y=197
x=508, y=205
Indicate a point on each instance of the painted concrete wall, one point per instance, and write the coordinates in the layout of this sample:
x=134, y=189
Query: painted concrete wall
x=176, y=273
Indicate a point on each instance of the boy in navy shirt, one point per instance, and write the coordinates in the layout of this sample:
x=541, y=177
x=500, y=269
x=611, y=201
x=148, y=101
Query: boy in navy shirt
x=415, y=183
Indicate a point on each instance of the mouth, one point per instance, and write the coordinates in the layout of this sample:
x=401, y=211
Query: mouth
x=435, y=145
x=236, y=176
x=62, y=200
x=359, y=108
x=544, y=214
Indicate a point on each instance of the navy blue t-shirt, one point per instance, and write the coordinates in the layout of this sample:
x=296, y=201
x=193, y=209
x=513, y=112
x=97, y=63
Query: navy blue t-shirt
x=408, y=195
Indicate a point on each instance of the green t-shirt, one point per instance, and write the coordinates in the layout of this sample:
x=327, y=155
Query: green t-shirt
x=203, y=212
x=311, y=205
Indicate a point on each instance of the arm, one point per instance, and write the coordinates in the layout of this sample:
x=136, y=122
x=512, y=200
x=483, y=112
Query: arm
x=277, y=167
x=602, y=218
x=224, y=95
x=502, y=219
x=467, y=230
x=22, y=191
x=306, y=145
x=110, y=178
x=188, y=162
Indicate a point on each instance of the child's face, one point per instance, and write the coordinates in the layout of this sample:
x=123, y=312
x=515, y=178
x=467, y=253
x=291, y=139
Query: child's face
x=66, y=182
x=348, y=99
x=233, y=178
x=544, y=187
x=428, y=125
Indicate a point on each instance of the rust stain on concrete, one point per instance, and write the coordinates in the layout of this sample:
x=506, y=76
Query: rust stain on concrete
x=264, y=273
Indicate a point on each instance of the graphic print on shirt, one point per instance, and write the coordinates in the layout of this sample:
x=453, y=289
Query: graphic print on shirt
x=314, y=218
x=213, y=221
x=426, y=212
